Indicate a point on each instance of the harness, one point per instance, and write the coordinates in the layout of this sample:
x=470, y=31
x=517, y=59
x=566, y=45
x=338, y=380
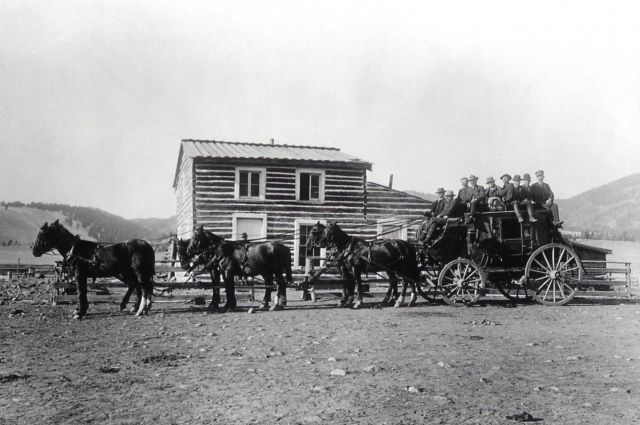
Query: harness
x=72, y=259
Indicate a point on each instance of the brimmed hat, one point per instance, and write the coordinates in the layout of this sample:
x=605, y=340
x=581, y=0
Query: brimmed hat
x=539, y=173
x=516, y=178
x=440, y=190
x=505, y=175
x=526, y=177
x=463, y=178
x=448, y=193
x=472, y=177
x=490, y=180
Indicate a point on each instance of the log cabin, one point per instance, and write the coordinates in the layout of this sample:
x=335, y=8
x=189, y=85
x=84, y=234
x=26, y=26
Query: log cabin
x=277, y=192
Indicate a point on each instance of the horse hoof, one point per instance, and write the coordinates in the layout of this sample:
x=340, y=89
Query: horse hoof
x=398, y=304
x=229, y=309
x=77, y=317
x=276, y=307
x=412, y=303
x=264, y=306
x=357, y=305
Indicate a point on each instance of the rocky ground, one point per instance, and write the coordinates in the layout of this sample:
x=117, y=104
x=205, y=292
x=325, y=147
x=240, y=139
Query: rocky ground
x=313, y=363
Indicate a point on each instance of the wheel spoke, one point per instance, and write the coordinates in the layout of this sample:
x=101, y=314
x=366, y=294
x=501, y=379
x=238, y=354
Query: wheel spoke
x=543, y=284
x=475, y=271
x=466, y=269
x=570, y=270
x=548, y=288
x=546, y=260
x=539, y=271
x=542, y=265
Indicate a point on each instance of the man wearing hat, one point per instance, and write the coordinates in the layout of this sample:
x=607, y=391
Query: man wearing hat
x=521, y=199
x=464, y=194
x=506, y=193
x=438, y=204
x=492, y=193
x=478, y=202
x=542, y=196
x=452, y=208
x=492, y=189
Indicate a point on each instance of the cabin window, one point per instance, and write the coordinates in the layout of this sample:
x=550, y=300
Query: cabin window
x=310, y=185
x=300, y=254
x=250, y=183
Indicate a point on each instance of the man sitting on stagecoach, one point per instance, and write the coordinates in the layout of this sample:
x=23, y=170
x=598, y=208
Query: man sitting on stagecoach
x=478, y=202
x=542, y=196
x=452, y=209
x=518, y=197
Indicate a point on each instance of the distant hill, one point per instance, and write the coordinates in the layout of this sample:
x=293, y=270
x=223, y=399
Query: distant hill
x=611, y=211
x=21, y=222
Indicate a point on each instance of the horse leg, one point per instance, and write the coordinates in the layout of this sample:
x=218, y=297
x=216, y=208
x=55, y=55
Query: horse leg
x=147, y=292
x=346, y=278
x=215, y=287
x=81, y=283
x=360, y=300
x=125, y=299
x=403, y=294
x=268, y=283
x=351, y=288
x=282, y=293
x=414, y=293
x=230, y=290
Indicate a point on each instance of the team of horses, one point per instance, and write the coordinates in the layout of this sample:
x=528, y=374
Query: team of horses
x=133, y=263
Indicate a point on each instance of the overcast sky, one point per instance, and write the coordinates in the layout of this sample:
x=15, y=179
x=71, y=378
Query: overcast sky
x=96, y=96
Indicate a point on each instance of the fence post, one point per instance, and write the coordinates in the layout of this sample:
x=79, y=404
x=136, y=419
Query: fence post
x=628, y=276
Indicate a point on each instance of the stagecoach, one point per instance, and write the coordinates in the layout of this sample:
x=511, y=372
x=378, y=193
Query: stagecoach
x=522, y=260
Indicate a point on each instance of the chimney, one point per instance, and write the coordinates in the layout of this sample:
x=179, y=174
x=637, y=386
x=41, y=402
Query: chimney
x=391, y=181
x=273, y=141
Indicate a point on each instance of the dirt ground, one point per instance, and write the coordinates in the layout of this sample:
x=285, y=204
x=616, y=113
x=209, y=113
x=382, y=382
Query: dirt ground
x=314, y=363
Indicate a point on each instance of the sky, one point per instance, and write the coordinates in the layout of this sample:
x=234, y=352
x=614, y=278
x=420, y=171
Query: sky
x=95, y=96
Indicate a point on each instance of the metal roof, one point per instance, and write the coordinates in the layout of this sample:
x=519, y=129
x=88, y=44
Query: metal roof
x=218, y=149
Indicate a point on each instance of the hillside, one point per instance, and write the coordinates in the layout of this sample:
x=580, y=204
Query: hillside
x=611, y=211
x=21, y=222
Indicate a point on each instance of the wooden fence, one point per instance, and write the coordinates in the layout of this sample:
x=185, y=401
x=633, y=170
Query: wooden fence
x=601, y=278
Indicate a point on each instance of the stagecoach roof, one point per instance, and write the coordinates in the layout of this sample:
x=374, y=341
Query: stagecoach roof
x=218, y=149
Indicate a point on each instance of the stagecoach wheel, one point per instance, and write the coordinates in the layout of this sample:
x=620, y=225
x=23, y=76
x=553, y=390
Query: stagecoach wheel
x=428, y=284
x=554, y=273
x=461, y=282
x=513, y=291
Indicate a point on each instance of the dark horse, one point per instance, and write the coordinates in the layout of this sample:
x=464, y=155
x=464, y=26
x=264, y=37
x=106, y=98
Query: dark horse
x=238, y=258
x=199, y=255
x=132, y=262
x=395, y=257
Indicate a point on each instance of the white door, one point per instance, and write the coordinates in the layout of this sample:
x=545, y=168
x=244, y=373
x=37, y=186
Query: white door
x=253, y=227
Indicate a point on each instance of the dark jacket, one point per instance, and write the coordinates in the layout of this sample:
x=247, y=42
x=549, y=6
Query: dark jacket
x=520, y=194
x=479, y=194
x=464, y=194
x=452, y=208
x=438, y=206
x=540, y=193
x=492, y=191
x=506, y=193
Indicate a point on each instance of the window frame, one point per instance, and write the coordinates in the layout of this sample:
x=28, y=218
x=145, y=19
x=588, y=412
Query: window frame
x=321, y=172
x=234, y=223
x=263, y=182
x=296, y=240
